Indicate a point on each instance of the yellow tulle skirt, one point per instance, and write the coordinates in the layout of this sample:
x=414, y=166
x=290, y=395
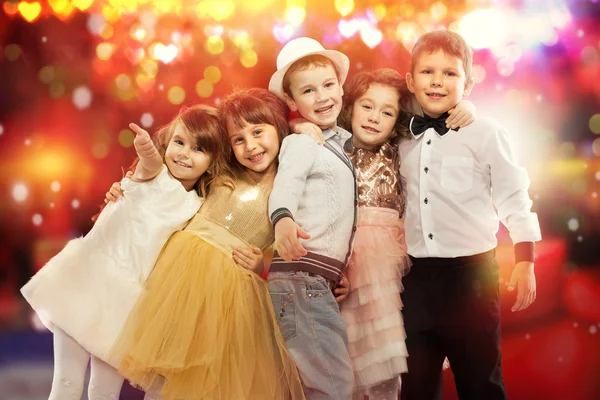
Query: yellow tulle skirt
x=204, y=328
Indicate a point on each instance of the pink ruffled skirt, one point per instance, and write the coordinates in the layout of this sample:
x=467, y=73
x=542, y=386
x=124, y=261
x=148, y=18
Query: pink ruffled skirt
x=372, y=310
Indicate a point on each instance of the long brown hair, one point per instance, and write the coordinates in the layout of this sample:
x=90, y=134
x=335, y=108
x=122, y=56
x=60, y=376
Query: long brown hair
x=204, y=124
x=253, y=106
x=360, y=83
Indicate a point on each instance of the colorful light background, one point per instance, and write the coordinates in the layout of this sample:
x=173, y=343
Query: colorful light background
x=74, y=73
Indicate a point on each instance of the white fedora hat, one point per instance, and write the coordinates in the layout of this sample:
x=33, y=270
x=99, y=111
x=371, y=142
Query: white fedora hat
x=301, y=47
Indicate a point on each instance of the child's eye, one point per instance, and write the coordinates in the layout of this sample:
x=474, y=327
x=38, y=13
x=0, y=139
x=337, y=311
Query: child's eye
x=450, y=74
x=329, y=84
x=306, y=91
x=389, y=114
x=366, y=107
x=427, y=71
x=237, y=140
x=198, y=148
x=179, y=142
x=257, y=132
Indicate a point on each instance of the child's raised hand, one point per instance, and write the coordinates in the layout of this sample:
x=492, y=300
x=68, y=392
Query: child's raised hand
x=251, y=260
x=114, y=193
x=342, y=289
x=301, y=125
x=462, y=115
x=287, y=233
x=144, y=145
x=523, y=278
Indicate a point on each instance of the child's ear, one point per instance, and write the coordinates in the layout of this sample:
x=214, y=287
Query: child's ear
x=410, y=82
x=469, y=86
x=290, y=102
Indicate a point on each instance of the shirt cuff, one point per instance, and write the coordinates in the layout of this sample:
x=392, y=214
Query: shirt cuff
x=524, y=251
x=280, y=213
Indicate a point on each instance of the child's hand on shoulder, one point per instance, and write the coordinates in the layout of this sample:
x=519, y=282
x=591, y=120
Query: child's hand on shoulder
x=251, y=260
x=302, y=126
x=287, y=233
x=462, y=115
x=523, y=278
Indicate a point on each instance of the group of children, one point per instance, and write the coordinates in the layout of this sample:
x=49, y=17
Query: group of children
x=165, y=290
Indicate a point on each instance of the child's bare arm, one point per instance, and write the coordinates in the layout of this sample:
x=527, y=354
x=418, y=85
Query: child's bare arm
x=150, y=161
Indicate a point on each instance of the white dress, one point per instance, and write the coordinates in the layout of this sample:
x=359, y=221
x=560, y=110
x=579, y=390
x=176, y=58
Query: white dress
x=90, y=287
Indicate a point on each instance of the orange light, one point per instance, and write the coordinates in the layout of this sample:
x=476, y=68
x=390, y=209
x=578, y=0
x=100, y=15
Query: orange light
x=10, y=8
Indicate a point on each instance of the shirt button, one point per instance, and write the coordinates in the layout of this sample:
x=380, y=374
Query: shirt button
x=425, y=201
x=426, y=169
x=430, y=236
x=429, y=141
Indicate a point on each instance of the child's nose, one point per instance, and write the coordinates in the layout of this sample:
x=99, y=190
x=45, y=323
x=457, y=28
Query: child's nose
x=374, y=117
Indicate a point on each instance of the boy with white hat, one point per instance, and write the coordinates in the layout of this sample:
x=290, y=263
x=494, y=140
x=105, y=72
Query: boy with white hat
x=313, y=211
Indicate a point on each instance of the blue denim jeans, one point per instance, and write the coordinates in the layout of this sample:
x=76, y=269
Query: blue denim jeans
x=314, y=333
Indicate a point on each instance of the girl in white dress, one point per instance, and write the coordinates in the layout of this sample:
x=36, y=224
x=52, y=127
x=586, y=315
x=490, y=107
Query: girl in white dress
x=86, y=292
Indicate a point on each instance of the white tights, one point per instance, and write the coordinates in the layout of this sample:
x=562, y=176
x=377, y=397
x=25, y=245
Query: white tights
x=70, y=364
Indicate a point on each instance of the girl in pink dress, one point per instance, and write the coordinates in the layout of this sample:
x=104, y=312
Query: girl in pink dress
x=376, y=106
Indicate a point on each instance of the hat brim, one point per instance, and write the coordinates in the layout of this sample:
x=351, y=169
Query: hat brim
x=340, y=60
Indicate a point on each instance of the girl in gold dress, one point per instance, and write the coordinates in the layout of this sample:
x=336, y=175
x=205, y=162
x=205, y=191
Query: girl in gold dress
x=204, y=327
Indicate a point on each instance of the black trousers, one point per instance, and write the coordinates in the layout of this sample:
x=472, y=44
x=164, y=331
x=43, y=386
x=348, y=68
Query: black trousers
x=452, y=309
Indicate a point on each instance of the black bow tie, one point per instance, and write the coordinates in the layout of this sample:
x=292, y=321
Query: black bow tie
x=420, y=124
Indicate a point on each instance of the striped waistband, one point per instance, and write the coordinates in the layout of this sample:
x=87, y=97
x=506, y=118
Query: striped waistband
x=327, y=267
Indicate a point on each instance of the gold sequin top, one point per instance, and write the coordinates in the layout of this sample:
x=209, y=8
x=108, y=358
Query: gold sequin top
x=378, y=178
x=242, y=211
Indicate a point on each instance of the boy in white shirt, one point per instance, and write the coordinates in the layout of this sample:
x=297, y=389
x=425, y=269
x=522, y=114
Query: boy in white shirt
x=464, y=183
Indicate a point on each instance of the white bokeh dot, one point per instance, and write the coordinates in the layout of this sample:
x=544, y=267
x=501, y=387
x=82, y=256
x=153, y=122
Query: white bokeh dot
x=44, y=39
x=96, y=24
x=593, y=329
x=55, y=186
x=161, y=87
x=75, y=203
x=573, y=224
x=147, y=120
x=580, y=238
x=575, y=324
x=527, y=336
x=2, y=131
x=20, y=192
x=82, y=97
x=597, y=173
x=51, y=205
x=27, y=142
x=594, y=195
x=37, y=219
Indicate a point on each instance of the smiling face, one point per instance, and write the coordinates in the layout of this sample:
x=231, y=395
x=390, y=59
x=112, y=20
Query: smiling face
x=374, y=116
x=316, y=94
x=438, y=81
x=186, y=161
x=255, y=146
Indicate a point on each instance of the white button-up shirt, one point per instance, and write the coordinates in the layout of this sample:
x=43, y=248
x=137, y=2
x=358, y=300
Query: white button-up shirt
x=459, y=186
